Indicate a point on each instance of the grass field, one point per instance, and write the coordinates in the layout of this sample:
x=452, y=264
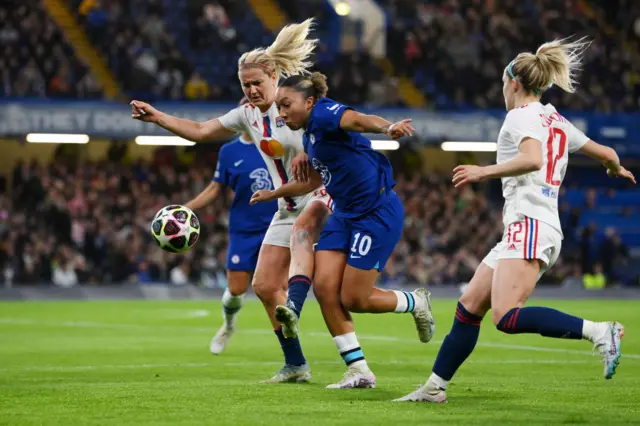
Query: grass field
x=147, y=362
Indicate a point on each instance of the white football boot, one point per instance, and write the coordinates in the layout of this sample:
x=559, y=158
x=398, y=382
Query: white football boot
x=291, y=374
x=355, y=378
x=422, y=315
x=608, y=344
x=220, y=340
x=426, y=393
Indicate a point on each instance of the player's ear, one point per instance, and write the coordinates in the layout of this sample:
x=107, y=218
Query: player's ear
x=309, y=102
x=516, y=85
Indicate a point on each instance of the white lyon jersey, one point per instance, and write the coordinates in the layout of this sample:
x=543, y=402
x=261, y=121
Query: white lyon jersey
x=277, y=143
x=535, y=194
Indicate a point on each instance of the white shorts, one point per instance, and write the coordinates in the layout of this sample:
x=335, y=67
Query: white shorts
x=281, y=227
x=527, y=239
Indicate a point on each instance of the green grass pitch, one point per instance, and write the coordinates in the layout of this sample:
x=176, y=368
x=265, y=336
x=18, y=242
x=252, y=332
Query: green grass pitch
x=148, y=362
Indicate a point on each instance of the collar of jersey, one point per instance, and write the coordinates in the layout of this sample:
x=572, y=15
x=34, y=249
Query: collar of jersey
x=241, y=139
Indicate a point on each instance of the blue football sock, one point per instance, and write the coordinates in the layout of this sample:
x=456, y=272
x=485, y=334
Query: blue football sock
x=544, y=321
x=458, y=344
x=352, y=356
x=291, y=349
x=298, y=290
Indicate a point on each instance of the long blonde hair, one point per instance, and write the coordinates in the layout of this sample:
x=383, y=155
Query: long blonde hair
x=556, y=62
x=287, y=55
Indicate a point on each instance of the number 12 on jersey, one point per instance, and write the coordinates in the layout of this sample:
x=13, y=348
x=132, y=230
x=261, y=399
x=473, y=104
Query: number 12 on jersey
x=556, y=144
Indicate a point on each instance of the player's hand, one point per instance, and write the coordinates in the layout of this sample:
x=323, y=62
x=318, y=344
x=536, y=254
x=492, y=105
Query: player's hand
x=400, y=129
x=463, y=175
x=300, y=167
x=261, y=196
x=621, y=173
x=144, y=112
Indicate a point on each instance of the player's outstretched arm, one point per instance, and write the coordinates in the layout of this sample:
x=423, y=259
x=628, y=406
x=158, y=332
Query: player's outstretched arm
x=291, y=189
x=187, y=129
x=206, y=197
x=609, y=158
x=529, y=159
x=352, y=121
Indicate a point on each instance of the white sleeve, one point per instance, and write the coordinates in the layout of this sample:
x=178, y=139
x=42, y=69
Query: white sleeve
x=234, y=120
x=576, y=139
x=520, y=126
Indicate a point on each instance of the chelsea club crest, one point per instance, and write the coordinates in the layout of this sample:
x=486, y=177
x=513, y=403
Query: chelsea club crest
x=322, y=170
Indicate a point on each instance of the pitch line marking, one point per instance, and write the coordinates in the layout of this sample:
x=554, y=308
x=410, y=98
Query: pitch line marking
x=91, y=324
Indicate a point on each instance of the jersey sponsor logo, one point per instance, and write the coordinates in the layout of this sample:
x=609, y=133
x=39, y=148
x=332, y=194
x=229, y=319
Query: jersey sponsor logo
x=237, y=163
x=279, y=122
x=549, y=193
x=272, y=148
x=323, y=170
x=312, y=139
x=255, y=124
x=260, y=180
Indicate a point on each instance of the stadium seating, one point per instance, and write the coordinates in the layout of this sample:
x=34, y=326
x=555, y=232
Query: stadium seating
x=441, y=43
x=36, y=60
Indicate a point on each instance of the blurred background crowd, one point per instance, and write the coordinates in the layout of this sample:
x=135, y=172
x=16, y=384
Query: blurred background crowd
x=76, y=222
x=73, y=223
x=188, y=50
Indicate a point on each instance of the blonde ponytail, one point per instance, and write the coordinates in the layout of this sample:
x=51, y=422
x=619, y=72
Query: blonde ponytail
x=556, y=62
x=288, y=55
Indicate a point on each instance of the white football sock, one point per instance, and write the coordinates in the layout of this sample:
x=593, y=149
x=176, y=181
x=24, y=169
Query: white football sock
x=230, y=306
x=349, y=348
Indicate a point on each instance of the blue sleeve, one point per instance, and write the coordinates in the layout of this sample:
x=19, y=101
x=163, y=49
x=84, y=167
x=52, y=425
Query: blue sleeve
x=221, y=174
x=328, y=114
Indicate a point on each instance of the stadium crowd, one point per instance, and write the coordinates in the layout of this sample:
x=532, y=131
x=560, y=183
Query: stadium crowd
x=440, y=43
x=35, y=58
x=90, y=224
x=162, y=50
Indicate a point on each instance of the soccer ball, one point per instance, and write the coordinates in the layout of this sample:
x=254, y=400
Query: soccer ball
x=175, y=228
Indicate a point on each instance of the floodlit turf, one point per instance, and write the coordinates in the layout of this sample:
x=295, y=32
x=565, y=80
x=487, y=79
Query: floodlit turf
x=147, y=362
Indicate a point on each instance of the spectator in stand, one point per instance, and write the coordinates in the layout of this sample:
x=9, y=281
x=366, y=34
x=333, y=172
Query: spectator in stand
x=196, y=88
x=613, y=254
x=441, y=43
x=35, y=59
x=595, y=280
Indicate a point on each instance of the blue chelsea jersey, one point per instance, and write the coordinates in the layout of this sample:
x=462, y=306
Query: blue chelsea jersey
x=356, y=177
x=241, y=168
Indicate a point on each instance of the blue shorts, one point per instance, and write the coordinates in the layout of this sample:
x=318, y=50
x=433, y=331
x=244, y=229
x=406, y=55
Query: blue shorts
x=242, y=253
x=369, y=240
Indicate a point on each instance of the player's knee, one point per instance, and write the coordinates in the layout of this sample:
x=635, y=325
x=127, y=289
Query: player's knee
x=475, y=305
x=302, y=235
x=263, y=290
x=497, y=313
x=354, y=302
x=323, y=295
